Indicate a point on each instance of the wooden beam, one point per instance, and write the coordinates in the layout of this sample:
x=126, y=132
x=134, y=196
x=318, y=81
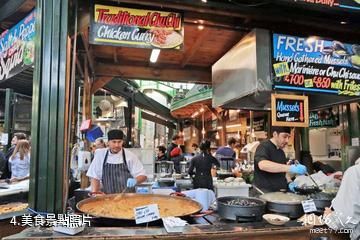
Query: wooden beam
x=99, y=83
x=88, y=51
x=79, y=68
x=115, y=56
x=191, y=75
x=194, y=47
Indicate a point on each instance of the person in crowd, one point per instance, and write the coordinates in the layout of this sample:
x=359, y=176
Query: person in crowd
x=20, y=161
x=3, y=163
x=202, y=164
x=174, y=152
x=6, y=169
x=116, y=168
x=160, y=153
x=271, y=168
x=345, y=210
x=99, y=143
x=228, y=150
x=196, y=150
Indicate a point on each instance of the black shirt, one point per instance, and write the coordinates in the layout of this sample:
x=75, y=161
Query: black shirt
x=203, y=164
x=269, y=182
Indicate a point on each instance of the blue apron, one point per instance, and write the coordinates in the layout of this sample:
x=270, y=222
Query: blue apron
x=114, y=176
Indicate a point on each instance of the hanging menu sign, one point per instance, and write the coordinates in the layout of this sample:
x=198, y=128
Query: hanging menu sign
x=316, y=65
x=324, y=118
x=289, y=110
x=17, y=47
x=129, y=27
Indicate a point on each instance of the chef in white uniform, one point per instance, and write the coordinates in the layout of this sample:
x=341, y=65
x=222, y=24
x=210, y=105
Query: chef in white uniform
x=115, y=168
x=345, y=211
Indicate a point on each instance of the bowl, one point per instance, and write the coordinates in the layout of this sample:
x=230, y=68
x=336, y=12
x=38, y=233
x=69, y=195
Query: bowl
x=275, y=219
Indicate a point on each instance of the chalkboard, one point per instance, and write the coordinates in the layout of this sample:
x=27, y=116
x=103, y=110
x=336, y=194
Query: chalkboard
x=289, y=110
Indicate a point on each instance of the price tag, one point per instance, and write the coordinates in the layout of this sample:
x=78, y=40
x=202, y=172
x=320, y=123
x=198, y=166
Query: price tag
x=146, y=213
x=309, y=206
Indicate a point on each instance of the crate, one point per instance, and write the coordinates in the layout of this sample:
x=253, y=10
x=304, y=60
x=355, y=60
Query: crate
x=241, y=190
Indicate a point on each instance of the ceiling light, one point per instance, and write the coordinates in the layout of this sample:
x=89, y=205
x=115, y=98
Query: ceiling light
x=200, y=27
x=202, y=109
x=201, y=21
x=343, y=22
x=204, y=1
x=154, y=55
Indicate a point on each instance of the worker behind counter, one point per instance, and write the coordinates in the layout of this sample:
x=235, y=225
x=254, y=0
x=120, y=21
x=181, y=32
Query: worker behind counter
x=115, y=167
x=271, y=168
x=202, y=164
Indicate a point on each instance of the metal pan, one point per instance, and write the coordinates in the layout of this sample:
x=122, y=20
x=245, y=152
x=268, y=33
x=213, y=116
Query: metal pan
x=193, y=206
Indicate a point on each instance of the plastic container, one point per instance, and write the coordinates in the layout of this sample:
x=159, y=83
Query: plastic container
x=241, y=190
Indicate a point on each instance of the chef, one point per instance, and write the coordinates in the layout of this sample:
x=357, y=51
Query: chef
x=271, y=168
x=203, y=163
x=115, y=167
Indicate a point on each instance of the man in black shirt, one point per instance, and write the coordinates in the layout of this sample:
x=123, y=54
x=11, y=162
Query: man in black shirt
x=270, y=163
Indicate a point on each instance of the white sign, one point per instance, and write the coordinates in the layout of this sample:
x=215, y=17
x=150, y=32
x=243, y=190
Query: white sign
x=147, y=213
x=4, y=139
x=309, y=206
x=355, y=142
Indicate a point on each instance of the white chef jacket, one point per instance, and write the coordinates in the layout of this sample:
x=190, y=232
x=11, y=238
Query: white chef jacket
x=134, y=165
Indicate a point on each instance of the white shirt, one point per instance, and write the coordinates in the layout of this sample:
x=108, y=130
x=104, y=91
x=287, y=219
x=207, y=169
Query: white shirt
x=20, y=168
x=133, y=163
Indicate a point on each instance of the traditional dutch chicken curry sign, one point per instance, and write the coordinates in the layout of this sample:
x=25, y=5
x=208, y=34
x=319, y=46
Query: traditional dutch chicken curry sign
x=120, y=26
x=289, y=110
x=316, y=65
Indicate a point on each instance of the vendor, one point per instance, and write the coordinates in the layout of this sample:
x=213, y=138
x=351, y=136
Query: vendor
x=115, y=167
x=345, y=211
x=160, y=153
x=270, y=173
x=203, y=163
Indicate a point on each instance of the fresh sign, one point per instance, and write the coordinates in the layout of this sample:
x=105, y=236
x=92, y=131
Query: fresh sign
x=316, y=65
x=17, y=47
x=120, y=26
x=147, y=213
x=289, y=110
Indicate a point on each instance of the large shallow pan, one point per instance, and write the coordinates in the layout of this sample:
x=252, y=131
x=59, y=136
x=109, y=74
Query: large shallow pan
x=120, y=206
x=240, y=208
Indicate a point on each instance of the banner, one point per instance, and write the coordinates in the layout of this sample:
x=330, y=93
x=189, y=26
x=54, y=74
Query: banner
x=316, y=65
x=331, y=4
x=289, y=110
x=17, y=47
x=141, y=28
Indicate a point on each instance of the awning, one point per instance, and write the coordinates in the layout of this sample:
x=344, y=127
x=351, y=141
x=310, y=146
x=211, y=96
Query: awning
x=124, y=89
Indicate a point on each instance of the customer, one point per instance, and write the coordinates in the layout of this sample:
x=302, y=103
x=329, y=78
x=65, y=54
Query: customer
x=270, y=163
x=202, y=164
x=228, y=150
x=345, y=212
x=196, y=151
x=20, y=161
x=99, y=143
x=6, y=167
x=160, y=153
x=174, y=152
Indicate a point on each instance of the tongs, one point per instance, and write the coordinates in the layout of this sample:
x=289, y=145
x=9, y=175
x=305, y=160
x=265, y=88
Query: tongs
x=308, y=175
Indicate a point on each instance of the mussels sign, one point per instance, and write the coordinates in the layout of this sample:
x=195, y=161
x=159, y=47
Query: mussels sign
x=289, y=110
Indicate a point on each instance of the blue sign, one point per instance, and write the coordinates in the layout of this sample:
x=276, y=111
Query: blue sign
x=314, y=64
x=17, y=47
